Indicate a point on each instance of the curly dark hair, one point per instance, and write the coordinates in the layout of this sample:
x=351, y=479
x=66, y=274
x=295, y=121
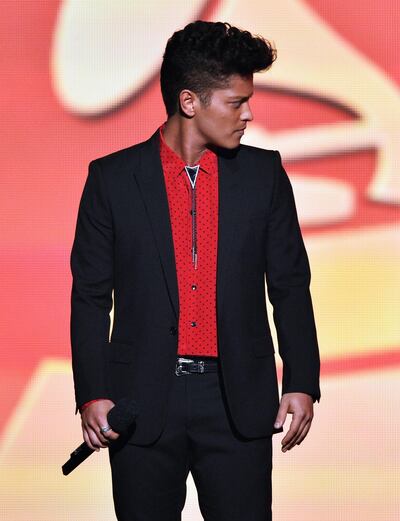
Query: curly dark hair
x=202, y=56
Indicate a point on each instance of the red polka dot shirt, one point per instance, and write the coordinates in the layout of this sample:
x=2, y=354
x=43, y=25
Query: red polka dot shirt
x=193, y=207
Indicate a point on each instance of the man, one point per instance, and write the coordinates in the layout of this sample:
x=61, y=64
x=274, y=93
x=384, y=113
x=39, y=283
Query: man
x=185, y=228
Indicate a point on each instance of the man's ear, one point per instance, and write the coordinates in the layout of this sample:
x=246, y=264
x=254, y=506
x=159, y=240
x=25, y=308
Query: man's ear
x=187, y=102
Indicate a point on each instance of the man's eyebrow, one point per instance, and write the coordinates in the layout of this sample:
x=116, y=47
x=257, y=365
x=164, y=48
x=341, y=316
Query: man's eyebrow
x=241, y=98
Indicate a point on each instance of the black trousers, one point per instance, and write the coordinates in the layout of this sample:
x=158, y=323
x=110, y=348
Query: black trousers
x=232, y=474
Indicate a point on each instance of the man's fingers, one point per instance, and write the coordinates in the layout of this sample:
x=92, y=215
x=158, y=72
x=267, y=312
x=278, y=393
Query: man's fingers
x=96, y=424
x=87, y=440
x=108, y=435
x=301, y=406
x=299, y=435
x=111, y=435
x=90, y=438
x=96, y=438
x=104, y=438
x=304, y=433
x=94, y=418
x=102, y=435
x=293, y=431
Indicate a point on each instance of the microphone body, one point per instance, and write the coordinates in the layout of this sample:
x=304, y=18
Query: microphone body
x=120, y=418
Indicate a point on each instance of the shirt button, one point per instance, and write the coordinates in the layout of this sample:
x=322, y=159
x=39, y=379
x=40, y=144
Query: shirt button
x=194, y=286
x=193, y=324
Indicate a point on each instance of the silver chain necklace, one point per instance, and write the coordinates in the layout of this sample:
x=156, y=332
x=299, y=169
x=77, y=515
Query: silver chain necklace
x=192, y=172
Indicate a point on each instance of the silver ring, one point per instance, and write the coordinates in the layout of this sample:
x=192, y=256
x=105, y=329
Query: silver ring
x=105, y=429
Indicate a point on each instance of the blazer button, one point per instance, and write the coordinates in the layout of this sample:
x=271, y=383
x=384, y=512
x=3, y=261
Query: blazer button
x=173, y=330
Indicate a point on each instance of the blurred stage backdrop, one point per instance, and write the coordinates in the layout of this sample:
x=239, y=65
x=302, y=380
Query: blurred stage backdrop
x=80, y=80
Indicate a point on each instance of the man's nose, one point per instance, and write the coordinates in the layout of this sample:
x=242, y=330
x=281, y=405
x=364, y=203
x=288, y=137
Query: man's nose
x=246, y=114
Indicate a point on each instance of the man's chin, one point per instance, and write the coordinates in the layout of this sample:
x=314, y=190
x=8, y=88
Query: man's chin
x=233, y=145
x=230, y=144
x=226, y=149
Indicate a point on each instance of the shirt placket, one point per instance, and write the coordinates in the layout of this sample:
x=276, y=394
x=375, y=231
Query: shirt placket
x=192, y=173
x=192, y=184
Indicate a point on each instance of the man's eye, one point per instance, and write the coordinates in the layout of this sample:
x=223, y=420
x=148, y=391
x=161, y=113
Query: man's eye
x=237, y=104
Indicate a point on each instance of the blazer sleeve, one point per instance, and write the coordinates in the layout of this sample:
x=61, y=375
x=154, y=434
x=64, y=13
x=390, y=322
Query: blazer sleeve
x=288, y=284
x=91, y=264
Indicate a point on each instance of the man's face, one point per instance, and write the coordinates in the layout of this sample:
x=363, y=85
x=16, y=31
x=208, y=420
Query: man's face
x=222, y=122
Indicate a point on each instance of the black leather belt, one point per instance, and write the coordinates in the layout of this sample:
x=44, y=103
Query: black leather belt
x=188, y=365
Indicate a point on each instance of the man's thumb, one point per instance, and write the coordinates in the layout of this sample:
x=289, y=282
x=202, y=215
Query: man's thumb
x=281, y=416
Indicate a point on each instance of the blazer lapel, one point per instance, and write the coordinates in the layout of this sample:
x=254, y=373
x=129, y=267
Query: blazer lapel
x=229, y=207
x=150, y=179
x=151, y=183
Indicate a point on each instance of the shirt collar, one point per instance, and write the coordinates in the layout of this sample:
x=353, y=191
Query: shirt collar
x=208, y=160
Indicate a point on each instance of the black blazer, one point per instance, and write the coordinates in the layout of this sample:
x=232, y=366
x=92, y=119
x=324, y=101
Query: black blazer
x=123, y=253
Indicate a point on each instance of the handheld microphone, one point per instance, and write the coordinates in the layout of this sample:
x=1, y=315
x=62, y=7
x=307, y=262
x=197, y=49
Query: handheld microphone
x=120, y=418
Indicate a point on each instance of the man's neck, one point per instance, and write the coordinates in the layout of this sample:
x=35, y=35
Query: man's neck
x=180, y=137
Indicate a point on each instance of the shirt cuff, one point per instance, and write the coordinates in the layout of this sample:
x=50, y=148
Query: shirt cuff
x=85, y=405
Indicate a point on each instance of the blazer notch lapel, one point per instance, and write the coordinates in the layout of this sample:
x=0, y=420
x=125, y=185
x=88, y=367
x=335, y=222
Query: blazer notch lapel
x=230, y=205
x=150, y=180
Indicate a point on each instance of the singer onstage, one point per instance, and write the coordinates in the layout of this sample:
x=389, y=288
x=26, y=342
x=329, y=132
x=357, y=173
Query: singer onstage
x=185, y=228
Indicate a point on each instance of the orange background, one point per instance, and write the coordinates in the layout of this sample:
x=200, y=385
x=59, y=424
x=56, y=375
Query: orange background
x=347, y=468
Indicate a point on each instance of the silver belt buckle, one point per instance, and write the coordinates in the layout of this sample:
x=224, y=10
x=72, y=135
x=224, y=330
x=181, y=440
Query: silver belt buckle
x=179, y=370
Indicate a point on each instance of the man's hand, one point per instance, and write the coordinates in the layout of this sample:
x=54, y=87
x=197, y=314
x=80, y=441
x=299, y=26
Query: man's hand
x=93, y=418
x=301, y=406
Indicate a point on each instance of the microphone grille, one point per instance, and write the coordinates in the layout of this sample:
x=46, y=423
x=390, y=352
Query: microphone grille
x=122, y=415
